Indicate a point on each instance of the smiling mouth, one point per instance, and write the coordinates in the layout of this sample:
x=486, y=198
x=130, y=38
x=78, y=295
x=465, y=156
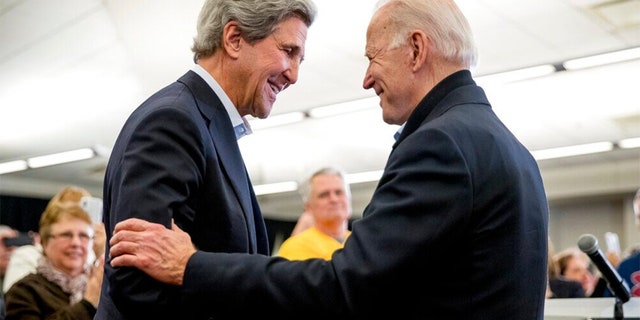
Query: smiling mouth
x=277, y=89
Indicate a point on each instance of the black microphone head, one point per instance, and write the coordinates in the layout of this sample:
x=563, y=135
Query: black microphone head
x=588, y=243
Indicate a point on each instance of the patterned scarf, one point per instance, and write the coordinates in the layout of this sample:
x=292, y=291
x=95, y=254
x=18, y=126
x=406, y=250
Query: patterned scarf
x=74, y=286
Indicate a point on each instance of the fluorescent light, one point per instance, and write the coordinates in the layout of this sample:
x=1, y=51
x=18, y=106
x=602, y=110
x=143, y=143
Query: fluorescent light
x=602, y=59
x=368, y=176
x=277, y=120
x=344, y=107
x=572, y=150
x=101, y=151
x=517, y=75
x=59, y=158
x=629, y=143
x=278, y=187
x=13, y=166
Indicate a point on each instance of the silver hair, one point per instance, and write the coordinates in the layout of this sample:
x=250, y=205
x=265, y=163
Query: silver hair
x=305, y=188
x=257, y=20
x=441, y=20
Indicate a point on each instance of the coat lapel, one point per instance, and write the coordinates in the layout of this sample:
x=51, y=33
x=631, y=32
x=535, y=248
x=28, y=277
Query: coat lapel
x=226, y=146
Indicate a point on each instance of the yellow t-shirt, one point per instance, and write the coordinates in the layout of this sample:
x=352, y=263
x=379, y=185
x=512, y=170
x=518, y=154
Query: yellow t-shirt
x=311, y=243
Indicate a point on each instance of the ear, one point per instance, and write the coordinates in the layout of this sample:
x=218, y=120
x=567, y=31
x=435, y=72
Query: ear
x=420, y=45
x=231, y=39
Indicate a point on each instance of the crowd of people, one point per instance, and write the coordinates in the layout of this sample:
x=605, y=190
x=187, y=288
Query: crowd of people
x=572, y=274
x=327, y=200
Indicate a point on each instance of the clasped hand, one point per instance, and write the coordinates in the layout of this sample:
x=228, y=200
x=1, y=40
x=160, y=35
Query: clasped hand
x=159, y=252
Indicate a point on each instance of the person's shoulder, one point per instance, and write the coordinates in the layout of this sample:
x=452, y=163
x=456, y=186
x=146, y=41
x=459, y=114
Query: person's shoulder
x=28, y=250
x=298, y=242
x=632, y=261
x=30, y=280
x=26, y=254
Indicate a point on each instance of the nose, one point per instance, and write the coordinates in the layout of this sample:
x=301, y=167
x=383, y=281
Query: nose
x=291, y=74
x=368, y=80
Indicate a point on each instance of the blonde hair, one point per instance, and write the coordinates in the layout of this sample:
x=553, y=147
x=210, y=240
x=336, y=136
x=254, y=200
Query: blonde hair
x=68, y=194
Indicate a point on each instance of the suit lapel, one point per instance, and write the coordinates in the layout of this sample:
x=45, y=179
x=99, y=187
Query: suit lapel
x=226, y=146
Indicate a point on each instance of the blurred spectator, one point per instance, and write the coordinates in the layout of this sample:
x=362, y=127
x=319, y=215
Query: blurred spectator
x=327, y=198
x=629, y=268
x=25, y=258
x=574, y=264
x=630, y=251
x=5, y=254
x=64, y=285
x=559, y=286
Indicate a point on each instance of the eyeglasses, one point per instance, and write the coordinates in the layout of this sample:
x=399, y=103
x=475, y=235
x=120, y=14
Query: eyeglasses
x=68, y=236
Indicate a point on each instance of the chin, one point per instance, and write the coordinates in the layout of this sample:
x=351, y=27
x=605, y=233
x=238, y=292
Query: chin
x=264, y=112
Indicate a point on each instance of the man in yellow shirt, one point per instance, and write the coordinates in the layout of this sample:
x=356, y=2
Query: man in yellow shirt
x=327, y=198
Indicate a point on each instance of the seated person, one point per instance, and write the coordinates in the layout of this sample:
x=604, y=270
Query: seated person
x=64, y=285
x=629, y=268
x=25, y=258
x=559, y=286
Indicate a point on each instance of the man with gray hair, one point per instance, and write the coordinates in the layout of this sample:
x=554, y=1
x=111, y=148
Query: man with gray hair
x=177, y=156
x=327, y=198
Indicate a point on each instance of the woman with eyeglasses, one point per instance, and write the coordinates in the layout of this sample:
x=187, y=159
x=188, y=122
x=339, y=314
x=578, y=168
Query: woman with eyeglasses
x=64, y=286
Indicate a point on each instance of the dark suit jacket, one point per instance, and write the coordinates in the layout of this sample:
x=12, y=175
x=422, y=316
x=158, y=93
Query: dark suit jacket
x=177, y=158
x=456, y=229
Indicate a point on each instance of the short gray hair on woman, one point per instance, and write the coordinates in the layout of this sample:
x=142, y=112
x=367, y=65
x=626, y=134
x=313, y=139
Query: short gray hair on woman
x=305, y=188
x=442, y=20
x=257, y=20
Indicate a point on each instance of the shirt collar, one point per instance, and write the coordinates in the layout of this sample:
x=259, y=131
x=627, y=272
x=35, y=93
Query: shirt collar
x=240, y=125
x=399, y=132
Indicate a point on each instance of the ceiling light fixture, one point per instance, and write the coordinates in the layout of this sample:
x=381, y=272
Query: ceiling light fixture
x=368, y=176
x=542, y=154
x=277, y=120
x=602, y=59
x=485, y=80
x=517, y=75
x=55, y=159
x=344, y=107
x=279, y=187
x=629, y=143
x=13, y=166
x=60, y=158
x=570, y=151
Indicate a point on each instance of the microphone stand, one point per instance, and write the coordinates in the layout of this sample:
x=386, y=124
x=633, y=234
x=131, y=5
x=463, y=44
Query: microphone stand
x=618, y=310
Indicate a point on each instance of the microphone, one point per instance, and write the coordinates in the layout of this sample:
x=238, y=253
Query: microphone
x=588, y=243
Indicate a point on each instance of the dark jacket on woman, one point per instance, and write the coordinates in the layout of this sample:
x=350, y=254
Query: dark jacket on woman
x=35, y=297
